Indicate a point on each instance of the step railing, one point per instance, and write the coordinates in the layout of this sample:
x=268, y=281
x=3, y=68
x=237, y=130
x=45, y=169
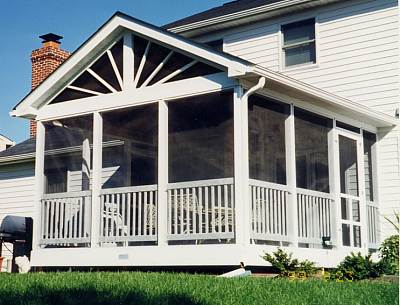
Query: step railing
x=128, y=214
x=201, y=210
x=314, y=212
x=65, y=218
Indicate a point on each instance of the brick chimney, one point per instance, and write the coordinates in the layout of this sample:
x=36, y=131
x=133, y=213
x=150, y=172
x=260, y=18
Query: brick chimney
x=44, y=61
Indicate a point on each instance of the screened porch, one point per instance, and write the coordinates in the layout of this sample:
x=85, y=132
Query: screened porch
x=208, y=169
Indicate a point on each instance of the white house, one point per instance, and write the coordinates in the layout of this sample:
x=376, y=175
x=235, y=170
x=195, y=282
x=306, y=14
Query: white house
x=155, y=148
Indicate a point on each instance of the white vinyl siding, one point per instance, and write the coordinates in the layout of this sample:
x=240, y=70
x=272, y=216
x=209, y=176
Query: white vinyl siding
x=17, y=193
x=357, y=45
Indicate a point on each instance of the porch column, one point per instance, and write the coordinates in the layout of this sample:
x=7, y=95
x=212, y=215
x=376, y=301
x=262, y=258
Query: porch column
x=96, y=178
x=290, y=148
x=162, y=228
x=241, y=164
x=363, y=201
x=334, y=185
x=39, y=183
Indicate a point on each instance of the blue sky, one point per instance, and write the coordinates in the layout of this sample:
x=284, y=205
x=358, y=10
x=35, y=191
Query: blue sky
x=22, y=21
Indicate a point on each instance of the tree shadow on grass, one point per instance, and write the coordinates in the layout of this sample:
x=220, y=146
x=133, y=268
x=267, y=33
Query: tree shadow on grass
x=41, y=295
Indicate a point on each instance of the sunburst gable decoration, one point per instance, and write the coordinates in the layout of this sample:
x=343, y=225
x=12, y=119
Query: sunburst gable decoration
x=154, y=64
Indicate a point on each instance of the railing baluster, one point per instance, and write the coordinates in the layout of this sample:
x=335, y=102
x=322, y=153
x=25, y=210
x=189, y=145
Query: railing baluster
x=194, y=210
x=219, y=209
x=151, y=213
x=140, y=203
x=134, y=214
x=213, y=223
x=201, y=207
x=175, y=204
x=226, y=207
x=207, y=228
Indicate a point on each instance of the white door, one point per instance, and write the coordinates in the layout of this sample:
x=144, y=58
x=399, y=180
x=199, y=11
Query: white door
x=351, y=189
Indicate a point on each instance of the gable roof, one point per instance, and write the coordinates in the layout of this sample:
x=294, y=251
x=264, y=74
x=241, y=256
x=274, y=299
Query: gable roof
x=235, y=66
x=102, y=38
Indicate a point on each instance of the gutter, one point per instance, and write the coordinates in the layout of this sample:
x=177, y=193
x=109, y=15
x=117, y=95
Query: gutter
x=328, y=97
x=243, y=14
x=258, y=86
x=17, y=158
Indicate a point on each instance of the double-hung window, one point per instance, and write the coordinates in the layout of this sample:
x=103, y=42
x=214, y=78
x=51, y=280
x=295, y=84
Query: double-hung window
x=299, y=43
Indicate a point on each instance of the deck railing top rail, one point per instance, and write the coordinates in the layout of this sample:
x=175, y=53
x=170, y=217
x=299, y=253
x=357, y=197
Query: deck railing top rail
x=130, y=189
x=67, y=195
x=314, y=193
x=269, y=185
x=197, y=183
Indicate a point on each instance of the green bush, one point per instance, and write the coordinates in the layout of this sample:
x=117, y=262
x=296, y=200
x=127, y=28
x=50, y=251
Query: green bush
x=390, y=254
x=286, y=265
x=356, y=267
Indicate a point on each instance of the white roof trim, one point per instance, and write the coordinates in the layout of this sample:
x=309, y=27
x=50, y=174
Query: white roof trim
x=260, y=10
x=110, y=31
x=381, y=119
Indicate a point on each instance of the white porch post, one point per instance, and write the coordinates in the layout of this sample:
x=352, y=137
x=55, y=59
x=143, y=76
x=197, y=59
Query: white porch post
x=363, y=202
x=162, y=228
x=334, y=185
x=96, y=178
x=241, y=165
x=375, y=187
x=290, y=143
x=39, y=183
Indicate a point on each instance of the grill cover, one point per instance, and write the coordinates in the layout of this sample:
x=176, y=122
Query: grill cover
x=14, y=228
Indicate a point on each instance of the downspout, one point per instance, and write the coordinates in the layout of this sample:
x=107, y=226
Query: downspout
x=258, y=86
x=242, y=176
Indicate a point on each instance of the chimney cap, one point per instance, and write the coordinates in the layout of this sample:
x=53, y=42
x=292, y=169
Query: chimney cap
x=51, y=37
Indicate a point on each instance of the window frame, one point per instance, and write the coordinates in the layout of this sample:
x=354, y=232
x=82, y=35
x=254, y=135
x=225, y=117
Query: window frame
x=282, y=57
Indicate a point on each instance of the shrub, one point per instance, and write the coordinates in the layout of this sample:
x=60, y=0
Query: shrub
x=286, y=265
x=357, y=267
x=390, y=255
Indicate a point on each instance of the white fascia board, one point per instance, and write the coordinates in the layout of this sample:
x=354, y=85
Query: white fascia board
x=98, y=44
x=380, y=119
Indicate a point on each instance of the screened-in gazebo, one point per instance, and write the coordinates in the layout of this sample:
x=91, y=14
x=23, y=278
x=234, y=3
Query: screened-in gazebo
x=153, y=150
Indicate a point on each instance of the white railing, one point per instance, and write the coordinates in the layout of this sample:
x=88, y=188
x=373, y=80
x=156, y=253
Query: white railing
x=314, y=212
x=128, y=214
x=269, y=214
x=373, y=225
x=200, y=210
x=65, y=218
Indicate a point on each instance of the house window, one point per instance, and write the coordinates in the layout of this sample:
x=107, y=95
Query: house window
x=299, y=43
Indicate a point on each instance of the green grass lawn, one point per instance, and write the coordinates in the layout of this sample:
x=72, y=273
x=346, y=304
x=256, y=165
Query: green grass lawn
x=167, y=288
